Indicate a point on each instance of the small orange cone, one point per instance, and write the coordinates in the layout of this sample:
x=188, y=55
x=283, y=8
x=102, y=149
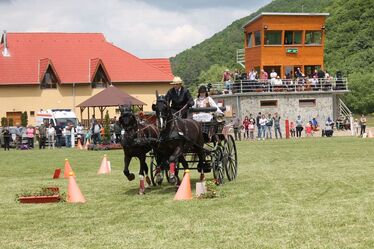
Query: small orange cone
x=104, y=169
x=79, y=144
x=109, y=166
x=184, y=190
x=74, y=193
x=67, y=169
x=370, y=135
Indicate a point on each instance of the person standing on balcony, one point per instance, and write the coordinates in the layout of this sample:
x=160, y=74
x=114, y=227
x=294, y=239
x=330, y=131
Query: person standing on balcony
x=273, y=77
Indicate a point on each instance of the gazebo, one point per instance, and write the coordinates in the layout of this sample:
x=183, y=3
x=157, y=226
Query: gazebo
x=110, y=97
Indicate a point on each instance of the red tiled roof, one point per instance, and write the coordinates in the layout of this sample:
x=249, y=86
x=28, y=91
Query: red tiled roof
x=71, y=54
x=161, y=63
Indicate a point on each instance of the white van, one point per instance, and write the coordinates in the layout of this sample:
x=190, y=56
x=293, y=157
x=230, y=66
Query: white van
x=57, y=117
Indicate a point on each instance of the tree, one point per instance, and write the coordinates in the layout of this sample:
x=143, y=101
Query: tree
x=4, y=121
x=24, y=119
x=106, y=138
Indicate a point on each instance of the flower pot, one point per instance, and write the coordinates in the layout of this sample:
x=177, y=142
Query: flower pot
x=39, y=199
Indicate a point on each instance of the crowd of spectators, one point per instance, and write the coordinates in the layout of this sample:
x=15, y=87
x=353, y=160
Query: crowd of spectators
x=270, y=81
x=268, y=126
x=52, y=136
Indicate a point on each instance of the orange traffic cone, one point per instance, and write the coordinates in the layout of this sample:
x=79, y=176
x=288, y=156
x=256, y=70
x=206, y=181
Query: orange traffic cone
x=370, y=135
x=79, y=144
x=104, y=169
x=109, y=166
x=68, y=169
x=184, y=190
x=74, y=193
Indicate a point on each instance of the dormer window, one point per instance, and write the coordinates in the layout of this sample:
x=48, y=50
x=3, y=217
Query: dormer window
x=50, y=80
x=100, y=80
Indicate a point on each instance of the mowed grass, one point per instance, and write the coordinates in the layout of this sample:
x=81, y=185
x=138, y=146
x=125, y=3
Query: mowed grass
x=307, y=193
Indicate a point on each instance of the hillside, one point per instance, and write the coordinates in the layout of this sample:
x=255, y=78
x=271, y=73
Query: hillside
x=349, y=46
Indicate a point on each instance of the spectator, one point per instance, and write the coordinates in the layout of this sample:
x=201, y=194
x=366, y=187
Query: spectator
x=356, y=126
x=246, y=127
x=277, y=129
x=314, y=124
x=262, y=121
x=236, y=126
x=363, y=124
x=292, y=129
x=299, y=126
x=67, y=133
x=30, y=132
x=6, y=136
x=308, y=129
x=58, y=130
x=328, y=128
x=79, y=131
x=51, y=132
x=251, y=127
x=96, y=132
x=226, y=78
x=273, y=77
x=269, y=126
x=258, y=125
x=42, y=135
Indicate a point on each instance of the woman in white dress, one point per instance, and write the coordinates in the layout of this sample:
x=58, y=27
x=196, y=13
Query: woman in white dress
x=204, y=100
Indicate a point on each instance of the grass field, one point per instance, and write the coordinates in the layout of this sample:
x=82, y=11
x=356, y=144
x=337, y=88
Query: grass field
x=307, y=193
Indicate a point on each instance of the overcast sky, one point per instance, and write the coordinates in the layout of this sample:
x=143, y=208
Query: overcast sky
x=146, y=28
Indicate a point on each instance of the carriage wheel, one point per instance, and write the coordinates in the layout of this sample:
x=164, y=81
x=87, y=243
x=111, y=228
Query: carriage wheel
x=217, y=163
x=157, y=173
x=231, y=165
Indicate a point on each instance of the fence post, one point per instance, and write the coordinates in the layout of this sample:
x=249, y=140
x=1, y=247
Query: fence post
x=287, y=129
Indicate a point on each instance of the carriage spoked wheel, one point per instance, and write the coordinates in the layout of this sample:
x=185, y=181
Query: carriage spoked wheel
x=217, y=162
x=231, y=158
x=157, y=172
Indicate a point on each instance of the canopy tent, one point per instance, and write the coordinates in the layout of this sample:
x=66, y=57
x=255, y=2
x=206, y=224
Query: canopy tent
x=111, y=96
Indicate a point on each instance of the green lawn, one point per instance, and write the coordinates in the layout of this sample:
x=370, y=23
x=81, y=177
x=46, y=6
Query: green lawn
x=307, y=193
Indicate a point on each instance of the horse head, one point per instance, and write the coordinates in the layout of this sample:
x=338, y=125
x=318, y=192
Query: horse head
x=163, y=111
x=127, y=119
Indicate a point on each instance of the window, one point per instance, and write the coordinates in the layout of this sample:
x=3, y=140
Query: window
x=118, y=111
x=307, y=102
x=32, y=113
x=273, y=38
x=50, y=80
x=249, y=39
x=313, y=37
x=268, y=103
x=258, y=38
x=100, y=80
x=292, y=37
x=309, y=70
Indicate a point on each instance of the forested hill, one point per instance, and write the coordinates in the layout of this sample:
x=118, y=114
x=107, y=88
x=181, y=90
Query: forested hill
x=349, y=46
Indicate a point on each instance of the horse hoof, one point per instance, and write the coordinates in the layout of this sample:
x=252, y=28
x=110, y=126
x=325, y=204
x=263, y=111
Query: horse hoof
x=131, y=177
x=172, y=179
x=141, y=192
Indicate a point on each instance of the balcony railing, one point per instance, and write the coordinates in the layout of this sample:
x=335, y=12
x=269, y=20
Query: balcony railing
x=276, y=85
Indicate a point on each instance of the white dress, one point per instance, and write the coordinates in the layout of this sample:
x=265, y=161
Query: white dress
x=205, y=102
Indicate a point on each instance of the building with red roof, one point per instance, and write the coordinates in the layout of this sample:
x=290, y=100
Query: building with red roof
x=60, y=70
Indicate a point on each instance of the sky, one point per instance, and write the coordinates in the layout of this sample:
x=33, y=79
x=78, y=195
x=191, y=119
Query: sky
x=145, y=28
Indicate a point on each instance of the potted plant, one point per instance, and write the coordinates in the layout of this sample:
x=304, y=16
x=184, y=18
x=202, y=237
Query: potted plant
x=45, y=195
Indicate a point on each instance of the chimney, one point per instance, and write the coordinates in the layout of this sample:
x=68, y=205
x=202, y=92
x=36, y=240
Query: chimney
x=5, y=51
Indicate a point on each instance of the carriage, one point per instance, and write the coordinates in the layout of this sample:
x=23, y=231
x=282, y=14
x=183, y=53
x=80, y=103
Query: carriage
x=219, y=150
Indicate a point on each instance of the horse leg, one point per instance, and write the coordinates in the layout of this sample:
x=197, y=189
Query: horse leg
x=201, y=165
x=173, y=163
x=143, y=170
x=126, y=172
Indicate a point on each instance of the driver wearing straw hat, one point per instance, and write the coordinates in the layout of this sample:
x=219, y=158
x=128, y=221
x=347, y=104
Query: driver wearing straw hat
x=179, y=98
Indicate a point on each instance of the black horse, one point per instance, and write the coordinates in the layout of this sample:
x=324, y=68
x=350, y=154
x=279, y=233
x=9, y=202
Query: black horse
x=177, y=136
x=137, y=141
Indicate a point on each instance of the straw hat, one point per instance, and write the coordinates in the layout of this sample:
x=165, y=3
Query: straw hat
x=176, y=81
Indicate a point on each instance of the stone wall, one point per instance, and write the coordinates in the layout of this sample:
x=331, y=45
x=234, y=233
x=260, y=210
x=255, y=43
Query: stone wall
x=287, y=105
